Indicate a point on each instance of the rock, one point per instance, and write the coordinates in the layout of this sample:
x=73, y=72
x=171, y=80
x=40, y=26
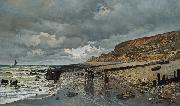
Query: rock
x=13, y=83
x=36, y=79
x=53, y=74
x=82, y=74
x=33, y=73
x=156, y=68
x=119, y=96
x=71, y=94
x=40, y=89
x=164, y=62
x=125, y=96
x=57, y=98
x=8, y=73
x=4, y=82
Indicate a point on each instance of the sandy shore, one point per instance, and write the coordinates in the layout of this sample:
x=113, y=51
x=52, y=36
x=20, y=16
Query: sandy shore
x=83, y=100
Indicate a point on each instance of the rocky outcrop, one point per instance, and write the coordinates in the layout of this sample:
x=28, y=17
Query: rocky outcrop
x=53, y=74
x=159, y=47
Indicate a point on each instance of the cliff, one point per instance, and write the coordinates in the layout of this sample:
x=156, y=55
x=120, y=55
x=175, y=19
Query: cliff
x=164, y=46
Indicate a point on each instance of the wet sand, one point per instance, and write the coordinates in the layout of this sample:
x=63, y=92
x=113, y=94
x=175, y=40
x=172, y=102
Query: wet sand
x=83, y=100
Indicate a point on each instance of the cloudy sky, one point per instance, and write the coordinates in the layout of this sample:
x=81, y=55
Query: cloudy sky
x=70, y=31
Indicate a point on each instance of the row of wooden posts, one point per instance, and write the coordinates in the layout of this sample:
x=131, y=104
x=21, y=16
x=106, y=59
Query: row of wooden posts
x=163, y=79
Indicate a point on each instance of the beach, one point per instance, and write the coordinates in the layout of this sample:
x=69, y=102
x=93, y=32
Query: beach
x=107, y=84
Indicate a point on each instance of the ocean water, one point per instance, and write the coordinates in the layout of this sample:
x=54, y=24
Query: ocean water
x=28, y=86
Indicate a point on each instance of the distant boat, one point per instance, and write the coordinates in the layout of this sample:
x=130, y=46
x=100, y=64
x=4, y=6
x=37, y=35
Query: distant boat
x=15, y=63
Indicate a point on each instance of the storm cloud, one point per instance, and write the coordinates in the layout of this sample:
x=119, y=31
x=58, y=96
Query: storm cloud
x=54, y=31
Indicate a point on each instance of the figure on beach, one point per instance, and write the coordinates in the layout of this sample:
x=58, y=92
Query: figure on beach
x=89, y=83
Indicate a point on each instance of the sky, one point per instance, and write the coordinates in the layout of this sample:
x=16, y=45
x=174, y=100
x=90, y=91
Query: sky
x=71, y=31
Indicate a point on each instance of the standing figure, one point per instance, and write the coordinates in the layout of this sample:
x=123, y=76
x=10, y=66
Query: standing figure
x=89, y=83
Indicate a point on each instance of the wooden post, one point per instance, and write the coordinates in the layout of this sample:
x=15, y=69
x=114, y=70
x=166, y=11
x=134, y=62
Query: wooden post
x=159, y=78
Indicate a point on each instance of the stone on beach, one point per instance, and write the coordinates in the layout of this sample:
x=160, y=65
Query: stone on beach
x=71, y=94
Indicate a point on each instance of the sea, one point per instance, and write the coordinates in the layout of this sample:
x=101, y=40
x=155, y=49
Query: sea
x=29, y=85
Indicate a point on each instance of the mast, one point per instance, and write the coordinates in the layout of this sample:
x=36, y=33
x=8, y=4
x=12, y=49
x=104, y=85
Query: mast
x=15, y=63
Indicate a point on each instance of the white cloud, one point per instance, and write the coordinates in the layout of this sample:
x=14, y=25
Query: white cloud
x=36, y=52
x=84, y=52
x=46, y=40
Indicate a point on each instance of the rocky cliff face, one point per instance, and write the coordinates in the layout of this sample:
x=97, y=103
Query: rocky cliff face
x=159, y=47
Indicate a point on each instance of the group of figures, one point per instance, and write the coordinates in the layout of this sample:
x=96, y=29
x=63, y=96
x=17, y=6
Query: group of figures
x=89, y=86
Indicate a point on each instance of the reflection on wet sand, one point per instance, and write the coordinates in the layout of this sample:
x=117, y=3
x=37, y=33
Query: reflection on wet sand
x=106, y=86
x=92, y=88
x=89, y=82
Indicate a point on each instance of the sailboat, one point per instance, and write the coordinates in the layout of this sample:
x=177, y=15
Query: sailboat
x=15, y=62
